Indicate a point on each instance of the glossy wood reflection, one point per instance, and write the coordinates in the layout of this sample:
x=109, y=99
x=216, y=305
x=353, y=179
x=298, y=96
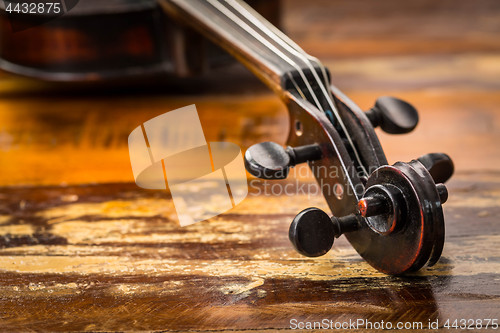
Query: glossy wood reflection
x=111, y=257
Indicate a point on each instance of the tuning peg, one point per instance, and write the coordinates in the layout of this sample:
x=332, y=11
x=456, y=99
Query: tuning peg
x=394, y=116
x=439, y=165
x=269, y=160
x=384, y=200
x=313, y=232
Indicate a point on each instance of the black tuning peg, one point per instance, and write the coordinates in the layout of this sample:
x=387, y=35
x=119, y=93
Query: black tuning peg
x=394, y=116
x=269, y=160
x=312, y=231
x=439, y=165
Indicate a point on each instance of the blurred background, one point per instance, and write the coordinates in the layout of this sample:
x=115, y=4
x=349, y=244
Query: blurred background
x=442, y=56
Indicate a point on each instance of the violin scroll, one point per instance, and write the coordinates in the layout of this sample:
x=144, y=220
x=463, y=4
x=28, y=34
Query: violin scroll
x=396, y=232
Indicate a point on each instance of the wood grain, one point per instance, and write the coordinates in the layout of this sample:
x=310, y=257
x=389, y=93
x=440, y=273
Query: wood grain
x=82, y=248
x=112, y=257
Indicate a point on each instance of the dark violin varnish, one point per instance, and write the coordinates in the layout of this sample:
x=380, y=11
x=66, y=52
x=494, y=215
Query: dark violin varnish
x=110, y=40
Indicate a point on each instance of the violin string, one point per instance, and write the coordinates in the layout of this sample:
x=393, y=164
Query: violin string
x=218, y=5
x=296, y=85
x=273, y=30
x=258, y=36
x=284, y=41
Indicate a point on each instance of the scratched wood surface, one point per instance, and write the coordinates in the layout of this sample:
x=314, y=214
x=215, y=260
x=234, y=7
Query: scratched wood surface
x=82, y=248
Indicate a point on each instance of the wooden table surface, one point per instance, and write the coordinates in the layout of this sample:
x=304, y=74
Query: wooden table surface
x=83, y=248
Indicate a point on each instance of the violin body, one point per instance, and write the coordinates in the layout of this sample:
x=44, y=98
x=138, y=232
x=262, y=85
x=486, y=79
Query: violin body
x=106, y=40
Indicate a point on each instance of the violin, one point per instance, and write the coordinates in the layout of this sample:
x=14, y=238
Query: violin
x=391, y=214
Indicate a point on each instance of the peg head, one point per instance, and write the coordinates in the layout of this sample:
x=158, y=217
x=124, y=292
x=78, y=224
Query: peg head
x=267, y=160
x=393, y=115
x=439, y=165
x=312, y=232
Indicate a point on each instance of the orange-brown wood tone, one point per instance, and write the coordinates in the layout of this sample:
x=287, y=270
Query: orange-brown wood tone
x=83, y=248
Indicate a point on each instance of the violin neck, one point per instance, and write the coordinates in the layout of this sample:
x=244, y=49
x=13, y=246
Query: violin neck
x=254, y=41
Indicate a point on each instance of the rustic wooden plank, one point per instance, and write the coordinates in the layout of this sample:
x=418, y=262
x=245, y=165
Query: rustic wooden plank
x=82, y=248
x=111, y=257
